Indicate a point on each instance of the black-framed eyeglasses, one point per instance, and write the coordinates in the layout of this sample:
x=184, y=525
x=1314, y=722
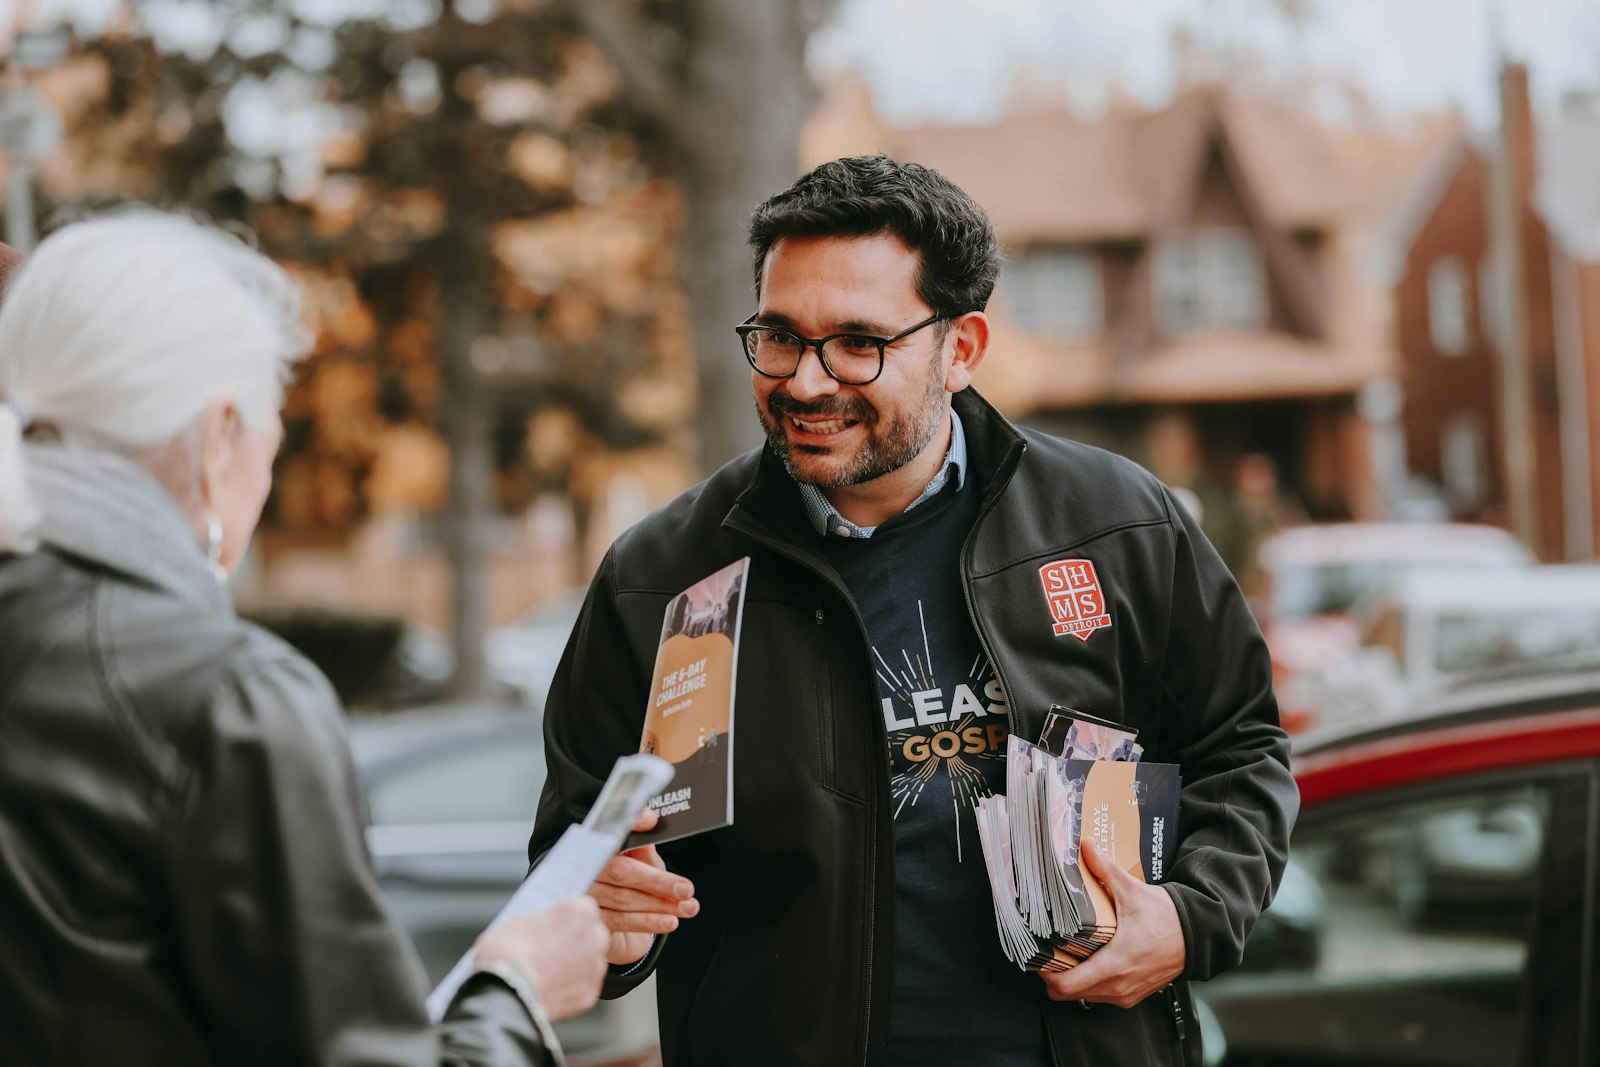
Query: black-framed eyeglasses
x=851, y=358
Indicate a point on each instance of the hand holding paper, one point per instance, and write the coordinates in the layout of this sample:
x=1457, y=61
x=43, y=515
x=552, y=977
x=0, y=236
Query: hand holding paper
x=560, y=951
x=1084, y=784
x=639, y=898
x=570, y=868
x=1144, y=955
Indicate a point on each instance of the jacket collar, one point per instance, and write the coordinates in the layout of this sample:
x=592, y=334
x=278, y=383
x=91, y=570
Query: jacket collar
x=994, y=447
x=109, y=511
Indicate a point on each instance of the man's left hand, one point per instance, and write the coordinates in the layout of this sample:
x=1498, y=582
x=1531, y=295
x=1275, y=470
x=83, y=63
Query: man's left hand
x=1144, y=955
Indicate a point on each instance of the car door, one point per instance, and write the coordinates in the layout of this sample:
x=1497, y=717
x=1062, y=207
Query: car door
x=1452, y=928
x=449, y=834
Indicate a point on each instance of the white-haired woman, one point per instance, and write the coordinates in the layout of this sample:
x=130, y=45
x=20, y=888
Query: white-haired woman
x=182, y=873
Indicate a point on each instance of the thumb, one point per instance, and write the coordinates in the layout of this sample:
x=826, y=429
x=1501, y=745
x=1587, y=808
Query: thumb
x=1108, y=873
x=645, y=853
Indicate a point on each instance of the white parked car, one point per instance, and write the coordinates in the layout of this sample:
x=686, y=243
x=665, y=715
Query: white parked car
x=522, y=657
x=1431, y=632
x=523, y=654
x=1308, y=580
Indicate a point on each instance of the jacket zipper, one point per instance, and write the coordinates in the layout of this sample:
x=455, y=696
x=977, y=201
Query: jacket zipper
x=828, y=751
x=966, y=591
x=783, y=549
x=1180, y=1023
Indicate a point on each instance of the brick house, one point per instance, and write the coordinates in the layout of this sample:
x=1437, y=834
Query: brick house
x=1495, y=265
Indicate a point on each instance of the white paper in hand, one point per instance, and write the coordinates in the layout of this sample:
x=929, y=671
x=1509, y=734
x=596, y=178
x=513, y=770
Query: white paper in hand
x=576, y=860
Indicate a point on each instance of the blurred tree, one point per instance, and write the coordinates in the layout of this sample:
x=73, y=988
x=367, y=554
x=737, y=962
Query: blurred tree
x=465, y=197
x=726, y=83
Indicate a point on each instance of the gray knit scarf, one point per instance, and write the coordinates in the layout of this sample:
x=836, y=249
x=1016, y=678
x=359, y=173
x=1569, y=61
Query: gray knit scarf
x=109, y=511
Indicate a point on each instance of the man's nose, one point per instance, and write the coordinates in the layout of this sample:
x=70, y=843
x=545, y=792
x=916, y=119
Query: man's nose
x=811, y=379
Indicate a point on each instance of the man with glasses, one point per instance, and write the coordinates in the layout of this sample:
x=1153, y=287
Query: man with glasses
x=926, y=579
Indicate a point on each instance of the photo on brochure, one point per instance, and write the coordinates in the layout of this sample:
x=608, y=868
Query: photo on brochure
x=1077, y=735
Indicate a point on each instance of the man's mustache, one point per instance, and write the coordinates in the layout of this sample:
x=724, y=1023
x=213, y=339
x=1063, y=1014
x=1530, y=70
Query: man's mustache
x=781, y=405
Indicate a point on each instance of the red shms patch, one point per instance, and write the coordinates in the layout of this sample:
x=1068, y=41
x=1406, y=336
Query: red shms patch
x=1073, y=593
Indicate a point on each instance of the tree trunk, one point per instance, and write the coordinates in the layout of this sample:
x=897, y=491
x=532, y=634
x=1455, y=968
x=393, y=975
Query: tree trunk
x=747, y=87
x=465, y=421
x=466, y=415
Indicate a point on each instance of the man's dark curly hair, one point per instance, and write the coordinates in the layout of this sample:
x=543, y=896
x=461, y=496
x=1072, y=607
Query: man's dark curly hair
x=866, y=195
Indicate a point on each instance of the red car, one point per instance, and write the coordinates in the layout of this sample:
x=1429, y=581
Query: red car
x=1441, y=905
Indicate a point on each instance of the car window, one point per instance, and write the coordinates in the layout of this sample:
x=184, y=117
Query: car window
x=1336, y=588
x=1404, y=934
x=1386, y=632
x=495, y=780
x=1487, y=640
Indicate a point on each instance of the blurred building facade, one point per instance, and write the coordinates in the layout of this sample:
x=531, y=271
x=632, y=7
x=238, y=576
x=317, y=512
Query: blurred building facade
x=1187, y=286
x=1495, y=266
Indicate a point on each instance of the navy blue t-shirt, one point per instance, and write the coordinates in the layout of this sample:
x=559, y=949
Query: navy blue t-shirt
x=957, y=999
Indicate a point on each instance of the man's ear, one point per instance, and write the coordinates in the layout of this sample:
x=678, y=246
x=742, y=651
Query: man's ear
x=219, y=436
x=971, y=340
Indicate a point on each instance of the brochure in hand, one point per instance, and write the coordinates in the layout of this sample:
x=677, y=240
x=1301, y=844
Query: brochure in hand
x=689, y=720
x=576, y=860
x=1084, y=778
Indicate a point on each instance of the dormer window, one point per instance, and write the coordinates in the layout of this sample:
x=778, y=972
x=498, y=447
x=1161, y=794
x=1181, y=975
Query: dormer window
x=1210, y=278
x=1054, y=291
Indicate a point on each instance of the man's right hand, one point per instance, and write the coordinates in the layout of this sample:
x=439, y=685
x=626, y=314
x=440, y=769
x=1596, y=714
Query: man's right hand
x=639, y=898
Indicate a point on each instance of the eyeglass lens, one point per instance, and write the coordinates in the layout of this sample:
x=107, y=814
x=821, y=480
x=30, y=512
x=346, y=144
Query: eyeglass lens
x=852, y=358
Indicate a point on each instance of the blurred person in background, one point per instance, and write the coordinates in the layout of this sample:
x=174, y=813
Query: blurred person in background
x=183, y=876
x=925, y=579
x=1258, y=508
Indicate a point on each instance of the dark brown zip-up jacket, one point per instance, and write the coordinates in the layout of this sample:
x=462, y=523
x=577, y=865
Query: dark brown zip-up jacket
x=791, y=956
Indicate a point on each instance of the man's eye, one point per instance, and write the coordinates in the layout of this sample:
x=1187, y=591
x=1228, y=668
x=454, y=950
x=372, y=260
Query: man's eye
x=855, y=342
x=782, y=337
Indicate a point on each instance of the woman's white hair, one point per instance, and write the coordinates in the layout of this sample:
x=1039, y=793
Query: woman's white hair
x=121, y=330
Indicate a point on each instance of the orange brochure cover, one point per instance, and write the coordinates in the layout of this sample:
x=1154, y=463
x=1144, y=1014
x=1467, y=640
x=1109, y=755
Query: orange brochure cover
x=689, y=720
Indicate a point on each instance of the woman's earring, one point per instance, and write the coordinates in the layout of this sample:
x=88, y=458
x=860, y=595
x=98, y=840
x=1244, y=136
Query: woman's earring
x=214, y=550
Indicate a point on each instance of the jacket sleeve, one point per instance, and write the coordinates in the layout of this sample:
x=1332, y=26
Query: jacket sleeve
x=593, y=715
x=1239, y=800
x=281, y=934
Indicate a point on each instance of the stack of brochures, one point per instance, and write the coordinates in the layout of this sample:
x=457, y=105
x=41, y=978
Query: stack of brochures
x=1084, y=777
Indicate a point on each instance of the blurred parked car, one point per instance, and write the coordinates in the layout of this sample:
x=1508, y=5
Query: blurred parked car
x=1308, y=580
x=374, y=660
x=1430, y=632
x=523, y=655
x=1454, y=851
x=522, y=658
x=452, y=793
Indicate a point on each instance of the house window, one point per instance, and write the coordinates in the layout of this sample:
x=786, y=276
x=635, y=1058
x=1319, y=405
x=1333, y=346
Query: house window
x=1055, y=292
x=1210, y=278
x=1465, y=462
x=1447, y=306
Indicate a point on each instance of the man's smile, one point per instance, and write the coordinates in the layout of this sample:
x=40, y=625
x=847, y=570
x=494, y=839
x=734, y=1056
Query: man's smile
x=828, y=426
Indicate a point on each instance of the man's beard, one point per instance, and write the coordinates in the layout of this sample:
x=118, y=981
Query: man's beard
x=888, y=448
